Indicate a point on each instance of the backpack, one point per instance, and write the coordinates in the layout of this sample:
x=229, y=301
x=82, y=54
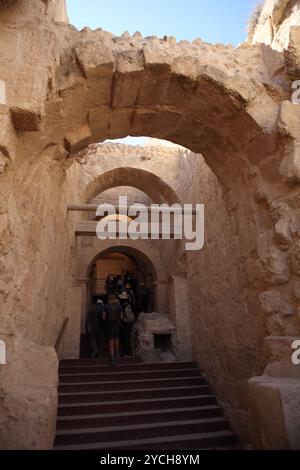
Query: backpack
x=128, y=316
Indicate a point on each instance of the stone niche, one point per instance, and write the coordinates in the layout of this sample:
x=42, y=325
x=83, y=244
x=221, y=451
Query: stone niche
x=154, y=338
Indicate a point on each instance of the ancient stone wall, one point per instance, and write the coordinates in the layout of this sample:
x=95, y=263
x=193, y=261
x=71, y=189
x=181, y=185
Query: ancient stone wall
x=60, y=91
x=272, y=22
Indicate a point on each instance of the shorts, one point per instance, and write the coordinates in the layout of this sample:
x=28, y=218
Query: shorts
x=113, y=330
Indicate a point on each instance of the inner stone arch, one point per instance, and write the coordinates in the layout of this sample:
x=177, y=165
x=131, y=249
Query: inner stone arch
x=230, y=104
x=148, y=182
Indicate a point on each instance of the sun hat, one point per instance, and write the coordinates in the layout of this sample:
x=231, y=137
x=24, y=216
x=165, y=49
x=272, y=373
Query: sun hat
x=123, y=295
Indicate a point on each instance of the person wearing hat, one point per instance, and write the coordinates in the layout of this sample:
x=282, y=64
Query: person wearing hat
x=114, y=315
x=95, y=327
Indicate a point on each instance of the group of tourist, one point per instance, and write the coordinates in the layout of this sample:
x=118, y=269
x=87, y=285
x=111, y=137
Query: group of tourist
x=112, y=321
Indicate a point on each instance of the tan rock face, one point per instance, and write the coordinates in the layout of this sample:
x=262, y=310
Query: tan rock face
x=275, y=21
x=270, y=301
x=292, y=54
x=274, y=267
x=68, y=89
x=295, y=257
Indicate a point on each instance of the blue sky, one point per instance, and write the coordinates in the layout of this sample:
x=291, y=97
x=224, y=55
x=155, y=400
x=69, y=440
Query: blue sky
x=214, y=21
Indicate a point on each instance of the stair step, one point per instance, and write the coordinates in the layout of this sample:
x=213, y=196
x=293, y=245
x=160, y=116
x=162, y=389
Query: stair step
x=137, y=406
x=128, y=375
x=85, y=397
x=88, y=369
x=97, y=360
x=130, y=384
x=132, y=405
x=183, y=442
x=138, y=417
x=116, y=433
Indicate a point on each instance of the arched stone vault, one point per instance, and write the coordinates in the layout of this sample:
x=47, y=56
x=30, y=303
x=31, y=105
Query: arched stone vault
x=206, y=98
x=141, y=249
x=146, y=181
x=72, y=89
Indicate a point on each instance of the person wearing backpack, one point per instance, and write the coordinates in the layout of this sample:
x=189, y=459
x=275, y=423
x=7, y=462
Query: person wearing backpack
x=113, y=316
x=126, y=329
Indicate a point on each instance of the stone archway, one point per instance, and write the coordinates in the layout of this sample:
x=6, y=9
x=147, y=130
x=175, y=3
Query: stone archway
x=231, y=104
x=78, y=298
x=150, y=183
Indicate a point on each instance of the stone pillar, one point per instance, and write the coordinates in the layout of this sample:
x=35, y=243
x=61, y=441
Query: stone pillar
x=180, y=315
x=160, y=296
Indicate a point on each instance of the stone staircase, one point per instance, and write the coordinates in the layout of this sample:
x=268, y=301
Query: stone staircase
x=137, y=406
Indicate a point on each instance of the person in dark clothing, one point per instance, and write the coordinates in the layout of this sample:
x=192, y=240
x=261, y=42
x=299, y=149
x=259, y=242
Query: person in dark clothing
x=126, y=325
x=95, y=328
x=145, y=298
x=113, y=316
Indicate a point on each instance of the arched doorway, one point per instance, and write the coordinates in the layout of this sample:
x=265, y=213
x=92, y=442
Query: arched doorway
x=118, y=262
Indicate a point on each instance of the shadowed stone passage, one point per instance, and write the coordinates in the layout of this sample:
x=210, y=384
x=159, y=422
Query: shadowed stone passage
x=231, y=110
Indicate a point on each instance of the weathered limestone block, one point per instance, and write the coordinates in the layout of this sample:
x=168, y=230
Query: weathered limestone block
x=128, y=78
x=279, y=348
x=120, y=123
x=273, y=23
x=157, y=56
x=55, y=152
x=283, y=232
x=295, y=225
x=292, y=54
x=4, y=160
x=158, y=61
x=26, y=120
x=78, y=138
x=148, y=325
x=290, y=165
x=287, y=308
x=95, y=58
x=268, y=430
x=296, y=289
x=143, y=120
x=57, y=10
x=289, y=119
x=289, y=124
x=98, y=119
x=294, y=257
x=279, y=208
x=275, y=415
x=283, y=368
x=270, y=301
x=274, y=267
x=97, y=64
x=29, y=385
x=7, y=132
